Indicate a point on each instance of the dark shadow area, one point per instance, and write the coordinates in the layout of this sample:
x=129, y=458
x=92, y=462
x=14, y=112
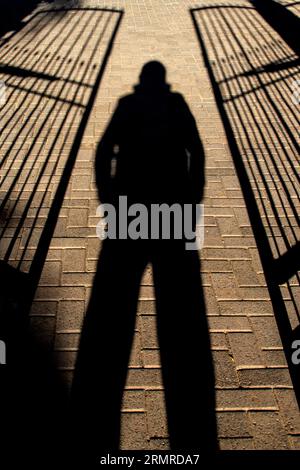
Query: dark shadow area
x=13, y=12
x=252, y=71
x=282, y=20
x=52, y=71
x=10, y=70
x=159, y=158
x=33, y=396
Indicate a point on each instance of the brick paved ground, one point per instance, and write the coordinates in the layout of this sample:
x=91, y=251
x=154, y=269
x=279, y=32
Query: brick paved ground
x=256, y=405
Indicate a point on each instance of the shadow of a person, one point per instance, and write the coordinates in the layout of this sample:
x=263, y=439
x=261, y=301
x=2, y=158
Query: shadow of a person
x=159, y=159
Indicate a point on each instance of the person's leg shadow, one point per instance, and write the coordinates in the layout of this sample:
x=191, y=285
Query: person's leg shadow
x=185, y=350
x=106, y=340
x=105, y=345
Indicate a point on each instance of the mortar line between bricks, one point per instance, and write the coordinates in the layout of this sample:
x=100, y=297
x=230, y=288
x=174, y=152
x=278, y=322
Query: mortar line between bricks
x=65, y=349
x=261, y=367
x=42, y=315
x=264, y=387
x=229, y=331
x=133, y=410
x=145, y=388
x=245, y=409
x=244, y=299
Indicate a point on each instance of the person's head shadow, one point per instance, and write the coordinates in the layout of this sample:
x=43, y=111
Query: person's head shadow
x=150, y=153
x=153, y=76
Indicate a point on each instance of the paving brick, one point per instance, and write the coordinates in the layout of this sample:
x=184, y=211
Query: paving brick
x=274, y=357
x=246, y=307
x=225, y=286
x=229, y=323
x=43, y=309
x=156, y=414
x=149, y=334
x=237, y=444
x=151, y=358
x=245, y=349
x=134, y=400
x=228, y=226
x=211, y=303
x=233, y=424
x=147, y=292
x=59, y=293
x=65, y=359
x=225, y=371
x=54, y=255
x=266, y=332
x=147, y=278
x=66, y=341
x=225, y=253
x=77, y=217
x=93, y=248
x=268, y=431
x=60, y=230
x=276, y=377
x=212, y=237
x=136, y=354
x=219, y=341
x=80, y=182
x=74, y=260
x=239, y=241
x=254, y=293
x=70, y=314
x=68, y=242
x=77, y=279
x=289, y=409
x=147, y=378
x=293, y=313
x=146, y=307
x=134, y=431
x=246, y=399
x=244, y=272
x=91, y=265
x=215, y=266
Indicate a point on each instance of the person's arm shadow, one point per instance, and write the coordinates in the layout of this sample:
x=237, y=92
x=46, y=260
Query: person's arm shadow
x=106, y=152
x=195, y=150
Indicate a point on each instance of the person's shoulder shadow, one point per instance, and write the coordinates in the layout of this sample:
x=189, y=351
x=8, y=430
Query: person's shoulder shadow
x=154, y=145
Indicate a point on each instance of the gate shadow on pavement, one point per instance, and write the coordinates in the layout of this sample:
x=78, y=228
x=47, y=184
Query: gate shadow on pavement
x=52, y=70
x=253, y=72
